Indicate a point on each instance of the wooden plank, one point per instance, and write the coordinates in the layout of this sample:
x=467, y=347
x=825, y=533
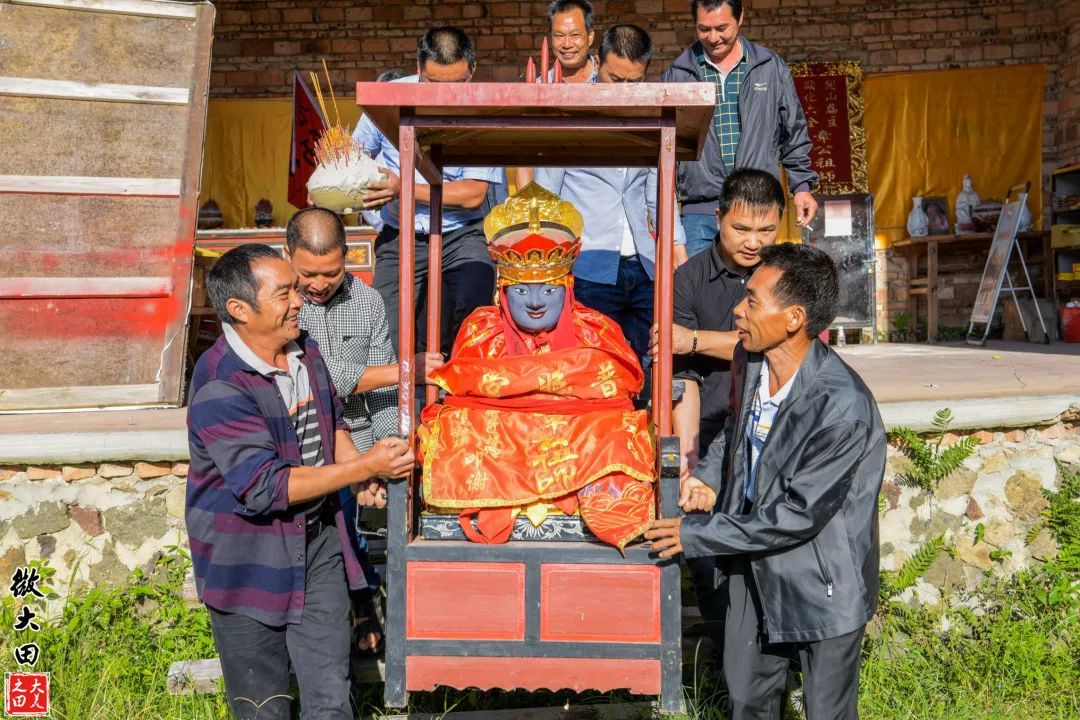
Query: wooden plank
x=93, y=139
x=961, y=238
x=389, y=105
x=86, y=235
x=174, y=353
x=566, y=155
x=43, y=42
x=145, y=8
x=465, y=601
x=86, y=396
x=188, y=593
x=932, y=288
x=109, y=92
x=85, y=287
x=81, y=185
x=83, y=342
x=591, y=617
x=640, y=676
x=188, y=677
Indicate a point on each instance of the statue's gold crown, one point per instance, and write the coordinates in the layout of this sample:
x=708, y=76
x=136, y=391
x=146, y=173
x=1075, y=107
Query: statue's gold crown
x=534, y=237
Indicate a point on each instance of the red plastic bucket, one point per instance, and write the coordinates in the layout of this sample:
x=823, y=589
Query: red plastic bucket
x=1070, y=324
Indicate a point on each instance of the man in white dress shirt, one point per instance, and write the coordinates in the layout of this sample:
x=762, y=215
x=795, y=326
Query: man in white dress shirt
x=614, y=273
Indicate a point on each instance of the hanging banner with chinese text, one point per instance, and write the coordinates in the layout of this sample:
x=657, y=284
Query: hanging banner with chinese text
x=831, y=96
x=308, y=125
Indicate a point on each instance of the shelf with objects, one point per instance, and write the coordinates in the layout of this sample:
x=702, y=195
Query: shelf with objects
x=530, y=614
x=930, y=258
x=1065, y=246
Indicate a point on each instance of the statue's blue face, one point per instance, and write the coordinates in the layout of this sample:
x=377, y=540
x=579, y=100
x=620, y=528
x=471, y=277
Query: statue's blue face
x=535, y=308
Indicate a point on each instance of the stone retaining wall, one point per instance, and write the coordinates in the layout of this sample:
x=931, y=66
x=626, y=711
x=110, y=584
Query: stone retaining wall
x=95, y=524
x=1000, y=487
x=92, y=523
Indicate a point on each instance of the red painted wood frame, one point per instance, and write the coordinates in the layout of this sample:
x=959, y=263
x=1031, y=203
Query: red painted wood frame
x=514, y=125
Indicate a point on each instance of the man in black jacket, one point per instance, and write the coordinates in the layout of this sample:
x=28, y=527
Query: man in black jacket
x=802, y=459
x=758, y=121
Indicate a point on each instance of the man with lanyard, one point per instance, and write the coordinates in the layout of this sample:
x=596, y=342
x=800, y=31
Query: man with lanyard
x=614, y=273
x=758, y=121
x=797, y=472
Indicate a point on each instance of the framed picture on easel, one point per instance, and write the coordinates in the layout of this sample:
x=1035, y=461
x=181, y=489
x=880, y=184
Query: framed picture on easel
x=995, y=279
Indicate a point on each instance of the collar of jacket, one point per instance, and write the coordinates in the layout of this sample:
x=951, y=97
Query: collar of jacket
x=687, y=61
x=808, y=370
x=751, y=370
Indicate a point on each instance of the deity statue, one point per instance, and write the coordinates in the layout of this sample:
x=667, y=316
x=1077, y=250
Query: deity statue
x=965, y=203
x=538, y=416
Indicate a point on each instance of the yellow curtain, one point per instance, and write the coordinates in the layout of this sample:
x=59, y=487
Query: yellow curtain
x=924, y=131
x=246, y=156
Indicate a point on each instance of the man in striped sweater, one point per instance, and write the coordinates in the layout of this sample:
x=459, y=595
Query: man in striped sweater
x=269, y=452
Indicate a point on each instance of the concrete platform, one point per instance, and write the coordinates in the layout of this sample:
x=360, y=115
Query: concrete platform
x=903, y=373
x=1002, y=385
x=88, y=436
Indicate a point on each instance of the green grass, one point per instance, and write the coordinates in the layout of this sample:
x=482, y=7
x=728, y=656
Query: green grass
x=1018, y=659
x=109, y=651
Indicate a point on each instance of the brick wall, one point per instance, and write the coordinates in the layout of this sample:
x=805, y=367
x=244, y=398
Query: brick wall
x=1068, y=131
x=258, y=43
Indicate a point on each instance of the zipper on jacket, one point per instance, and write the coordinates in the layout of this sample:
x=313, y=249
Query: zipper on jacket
x=821, y=566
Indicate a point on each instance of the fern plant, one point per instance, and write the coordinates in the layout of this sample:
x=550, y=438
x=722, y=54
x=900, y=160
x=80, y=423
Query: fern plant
x=895, y=582
x=931, y=460
x=1062, y=519
x=901, y=325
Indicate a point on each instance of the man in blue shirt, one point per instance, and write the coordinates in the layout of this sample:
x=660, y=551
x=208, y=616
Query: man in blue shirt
x=614, y=273
x=444, y=54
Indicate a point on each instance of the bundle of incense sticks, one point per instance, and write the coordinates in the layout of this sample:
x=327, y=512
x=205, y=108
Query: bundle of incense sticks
x=336, y=143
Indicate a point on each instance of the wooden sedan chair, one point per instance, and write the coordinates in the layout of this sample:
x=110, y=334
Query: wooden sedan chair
x=461, y=614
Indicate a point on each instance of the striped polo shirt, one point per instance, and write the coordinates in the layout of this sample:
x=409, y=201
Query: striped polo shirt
x=248, y=544
x=294, y=387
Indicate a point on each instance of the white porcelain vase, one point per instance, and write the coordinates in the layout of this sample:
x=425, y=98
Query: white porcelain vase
x=918, y=224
